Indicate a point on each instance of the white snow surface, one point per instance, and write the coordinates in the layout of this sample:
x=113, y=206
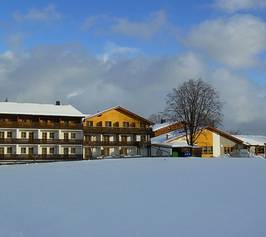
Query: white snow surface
x=135, y=197
x=39, y=109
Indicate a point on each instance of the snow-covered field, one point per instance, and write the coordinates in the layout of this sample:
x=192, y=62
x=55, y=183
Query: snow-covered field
x=135, y=197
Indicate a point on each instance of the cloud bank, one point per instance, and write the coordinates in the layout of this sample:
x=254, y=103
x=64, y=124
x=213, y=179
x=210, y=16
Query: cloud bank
x=72, y=75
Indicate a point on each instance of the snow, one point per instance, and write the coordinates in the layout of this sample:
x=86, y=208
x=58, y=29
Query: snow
x=166, y=138
x=39, y=109
x=158, y=126
x=135, y=197
x=253, y=140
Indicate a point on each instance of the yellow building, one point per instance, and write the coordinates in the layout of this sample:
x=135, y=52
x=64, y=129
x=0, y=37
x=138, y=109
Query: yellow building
x=116, y=132
x=214, y=142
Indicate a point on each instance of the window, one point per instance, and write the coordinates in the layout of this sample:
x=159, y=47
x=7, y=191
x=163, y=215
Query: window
x=73, y=135
x=90, y=123
x=52, y=150
x=31, y=135
x=2, y=150
x=30, y=150
x=207, y=150
x=143, y=138
x=142, y=125
x=51, y=135
x=116, y=124
x=2, y=135
x=65, y=150
x=133, y=125
x=108, y=124
x=23, y=135
x=9, y=150
x=44, y=135
x=228, y=150
x=9, y=135
x=99, y=124
x=88, y=138
x=106, y=138
x=125, y=124
x=23, y=150
x=44, y=151
x=65, y=136
x=259, y=150
x=124, y=138
x=73, y=150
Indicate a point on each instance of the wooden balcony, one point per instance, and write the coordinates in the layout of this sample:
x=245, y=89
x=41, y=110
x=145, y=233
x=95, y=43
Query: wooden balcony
x=40, y=157
x=40, y=125
x=114, y=130
x=40, y=141
x=115, y=143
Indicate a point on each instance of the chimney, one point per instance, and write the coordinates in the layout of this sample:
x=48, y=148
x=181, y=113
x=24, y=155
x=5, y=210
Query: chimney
x=57, y=102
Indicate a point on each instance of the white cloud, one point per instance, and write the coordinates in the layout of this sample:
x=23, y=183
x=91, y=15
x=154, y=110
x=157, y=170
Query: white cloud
x=142, y=29
x=140, y=83
x=239, y=5
x=154, y=24
x=45, y=14
x=236, y=41
x=113, y=52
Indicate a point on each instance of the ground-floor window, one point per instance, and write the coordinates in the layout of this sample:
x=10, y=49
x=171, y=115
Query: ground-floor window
x=259, y=150
x=73, y=150
x=228, y=150
x=207, y=150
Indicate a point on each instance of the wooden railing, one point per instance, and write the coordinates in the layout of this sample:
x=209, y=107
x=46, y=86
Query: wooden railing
x=40, y=157
x=40, y=141
x=115, y=143
x=114, y=130
x=39, y=125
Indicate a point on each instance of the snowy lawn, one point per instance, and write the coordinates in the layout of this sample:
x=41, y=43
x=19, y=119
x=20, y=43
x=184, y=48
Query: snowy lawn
x=135, y=197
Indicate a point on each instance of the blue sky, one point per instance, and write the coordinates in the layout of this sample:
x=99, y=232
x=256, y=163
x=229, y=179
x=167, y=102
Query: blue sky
x=76, y=50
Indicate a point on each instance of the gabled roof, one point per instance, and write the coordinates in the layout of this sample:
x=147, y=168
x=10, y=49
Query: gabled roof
x=224, y=134
x=121, y=109
x=39, y=109
x=252, y=140
x=158, y=126
x=178, y=133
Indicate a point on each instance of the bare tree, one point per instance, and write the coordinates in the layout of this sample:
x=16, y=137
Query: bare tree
x=159, y=117
x=196, y=104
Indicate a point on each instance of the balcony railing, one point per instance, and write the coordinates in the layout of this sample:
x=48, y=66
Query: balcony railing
x=40, y=157
x=116, y=143
x=114, y=130
x=39, y=125
x=40, y=141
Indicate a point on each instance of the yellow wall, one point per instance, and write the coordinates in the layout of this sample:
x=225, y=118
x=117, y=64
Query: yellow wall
x=115, y=116
x=205, y=139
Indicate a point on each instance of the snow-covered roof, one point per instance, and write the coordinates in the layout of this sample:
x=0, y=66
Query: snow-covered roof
x=158, y=126
x=165, y=138
x=252, y=140
x=39, y=109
